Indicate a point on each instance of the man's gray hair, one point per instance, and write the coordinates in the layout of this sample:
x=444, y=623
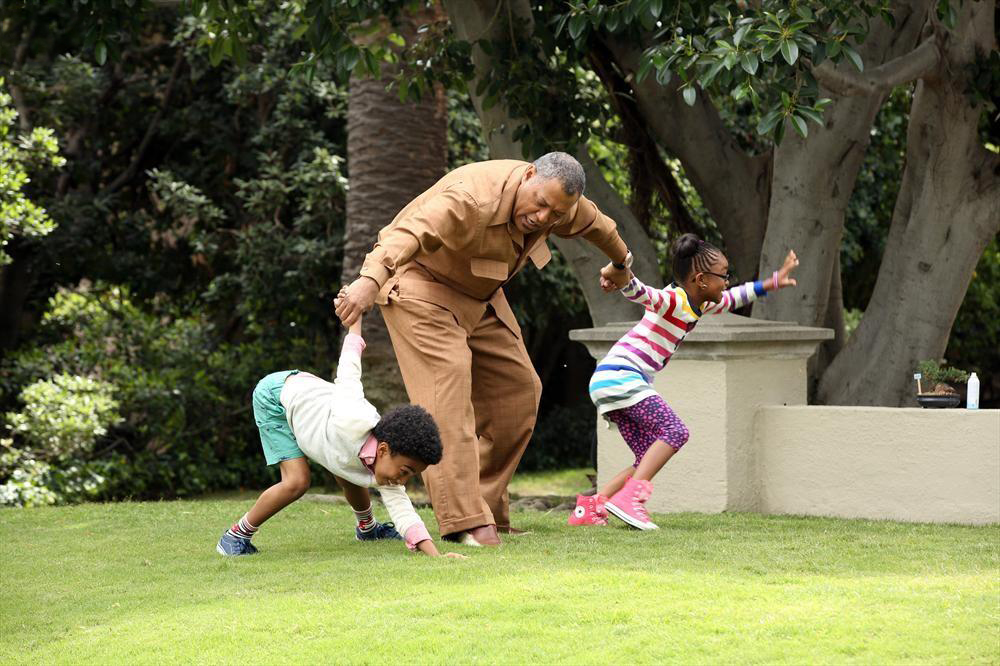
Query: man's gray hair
x=564, y=167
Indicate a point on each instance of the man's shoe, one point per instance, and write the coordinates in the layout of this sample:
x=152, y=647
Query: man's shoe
x=230, y=546
x=589, y=511
x=484, y=535
x=380, y=531
x=628, y=504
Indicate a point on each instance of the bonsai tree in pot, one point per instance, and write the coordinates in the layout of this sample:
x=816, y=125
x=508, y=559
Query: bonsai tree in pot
x=938, y=385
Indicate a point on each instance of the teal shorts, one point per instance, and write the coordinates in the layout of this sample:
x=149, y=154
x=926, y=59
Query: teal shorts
x=275, y=434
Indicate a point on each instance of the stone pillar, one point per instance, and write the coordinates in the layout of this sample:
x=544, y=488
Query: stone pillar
x=725, y=369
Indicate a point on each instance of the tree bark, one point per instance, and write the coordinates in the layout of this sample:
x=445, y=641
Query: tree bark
x=488, y=19
x=947, y=211
x=812, y=185
x=735, y=186
x=395, y=151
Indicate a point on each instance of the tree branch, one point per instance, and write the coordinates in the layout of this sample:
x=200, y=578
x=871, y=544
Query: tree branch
x=24, y=122
x=133, y=167
x=883, y=78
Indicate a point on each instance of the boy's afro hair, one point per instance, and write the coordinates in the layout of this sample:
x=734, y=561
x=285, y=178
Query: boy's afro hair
x=411, y=431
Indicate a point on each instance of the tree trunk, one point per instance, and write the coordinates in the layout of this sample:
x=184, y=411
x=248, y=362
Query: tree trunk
x=734, y=186
x=474, y=20
x=812, y=185
x=395, y=151
x=947, y=211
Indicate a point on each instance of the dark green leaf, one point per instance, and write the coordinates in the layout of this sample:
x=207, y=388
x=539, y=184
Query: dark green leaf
x=790, y=51
x=707, y=77
x=749, y=63
x=655, y=7
x=663, y=76
x=833, y=48
x=215, y=53
x=611, y=23
x=800, y=126
x=577, y=25
x=854, y=57
x=770, y=119
x=372, y=63
x=100, y=53
x=740, y=34
x=643, y=70
x=779, y=132
x=690, y=94
x=818, y=54
x=770, y=50
x=811, y=114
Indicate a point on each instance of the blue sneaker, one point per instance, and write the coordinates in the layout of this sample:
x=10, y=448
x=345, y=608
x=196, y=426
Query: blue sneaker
x=380, y=531
x=230, y=545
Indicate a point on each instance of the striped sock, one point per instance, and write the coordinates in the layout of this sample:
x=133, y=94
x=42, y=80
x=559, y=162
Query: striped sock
x=243, y=529
x=366, y=520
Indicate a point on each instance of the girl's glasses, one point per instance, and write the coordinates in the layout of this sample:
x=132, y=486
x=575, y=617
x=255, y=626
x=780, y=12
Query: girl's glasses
x=727, y=277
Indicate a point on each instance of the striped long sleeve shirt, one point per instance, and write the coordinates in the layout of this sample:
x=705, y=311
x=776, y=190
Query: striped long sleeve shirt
x=624, y=377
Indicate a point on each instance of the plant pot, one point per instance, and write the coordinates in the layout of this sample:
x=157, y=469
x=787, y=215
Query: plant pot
x=939, y=400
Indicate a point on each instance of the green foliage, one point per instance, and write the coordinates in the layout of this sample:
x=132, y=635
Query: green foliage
x=975, y=338
x=182, y=394
x=39, y=149
x=564, y=438
x=757, y=52
x=64, y=415
x=935, y=371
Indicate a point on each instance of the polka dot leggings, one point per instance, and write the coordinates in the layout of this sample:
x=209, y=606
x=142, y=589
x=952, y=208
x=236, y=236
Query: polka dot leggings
x=645, y=422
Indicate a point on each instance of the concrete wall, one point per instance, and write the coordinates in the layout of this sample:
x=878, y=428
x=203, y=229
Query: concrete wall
x=921, y=465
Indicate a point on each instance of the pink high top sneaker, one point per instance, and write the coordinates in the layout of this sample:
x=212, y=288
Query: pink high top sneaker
x=589, y=511
x=628, y=504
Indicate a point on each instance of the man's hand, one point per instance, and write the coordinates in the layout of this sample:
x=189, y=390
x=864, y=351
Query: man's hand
x=781, y=277
x=357, y=299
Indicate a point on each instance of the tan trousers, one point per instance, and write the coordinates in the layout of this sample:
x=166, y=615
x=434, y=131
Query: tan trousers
x=477, y=381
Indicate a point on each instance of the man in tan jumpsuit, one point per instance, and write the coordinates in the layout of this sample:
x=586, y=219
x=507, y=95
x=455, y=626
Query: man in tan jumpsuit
x=437, y=273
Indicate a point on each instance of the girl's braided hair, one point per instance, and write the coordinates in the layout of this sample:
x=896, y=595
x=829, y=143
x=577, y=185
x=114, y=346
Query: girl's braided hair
x=691, y=254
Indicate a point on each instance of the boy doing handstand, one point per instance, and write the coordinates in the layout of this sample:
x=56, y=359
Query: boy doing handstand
x=301, y=416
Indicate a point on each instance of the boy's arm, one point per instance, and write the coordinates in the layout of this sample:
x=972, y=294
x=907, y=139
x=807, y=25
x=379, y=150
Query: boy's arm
x=407, y=522
x=349, y=365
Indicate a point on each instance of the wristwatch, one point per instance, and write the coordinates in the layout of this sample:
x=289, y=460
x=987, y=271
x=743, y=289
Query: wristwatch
x=625, y=264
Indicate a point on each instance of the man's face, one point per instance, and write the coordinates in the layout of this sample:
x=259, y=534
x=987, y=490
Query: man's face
x=394, y=469
x=540, y=203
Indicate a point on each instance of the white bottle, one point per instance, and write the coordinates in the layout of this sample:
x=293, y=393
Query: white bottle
x=972, y=392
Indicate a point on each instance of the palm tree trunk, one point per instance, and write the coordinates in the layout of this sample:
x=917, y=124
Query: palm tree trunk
x=395, y=151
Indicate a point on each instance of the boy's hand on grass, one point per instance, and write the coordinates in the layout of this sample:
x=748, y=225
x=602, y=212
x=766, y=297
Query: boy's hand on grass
x=455, y=556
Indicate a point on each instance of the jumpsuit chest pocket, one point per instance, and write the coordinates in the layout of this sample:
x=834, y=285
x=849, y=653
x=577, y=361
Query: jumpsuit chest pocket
x=491, y=269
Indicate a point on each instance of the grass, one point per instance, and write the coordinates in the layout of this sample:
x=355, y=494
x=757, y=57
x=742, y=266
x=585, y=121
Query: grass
x=141, y=583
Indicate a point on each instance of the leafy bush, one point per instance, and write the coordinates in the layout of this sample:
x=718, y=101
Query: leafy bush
x=64, y=416
x=564, y=438
x=183, y=396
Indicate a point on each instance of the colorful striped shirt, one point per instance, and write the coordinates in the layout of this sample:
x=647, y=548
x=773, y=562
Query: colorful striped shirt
x=624, y=377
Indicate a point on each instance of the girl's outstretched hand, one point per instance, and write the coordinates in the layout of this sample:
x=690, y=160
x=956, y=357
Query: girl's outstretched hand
x=791, y=261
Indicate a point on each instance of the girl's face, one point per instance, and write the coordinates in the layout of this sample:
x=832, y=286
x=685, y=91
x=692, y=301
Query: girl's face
x=715, y=280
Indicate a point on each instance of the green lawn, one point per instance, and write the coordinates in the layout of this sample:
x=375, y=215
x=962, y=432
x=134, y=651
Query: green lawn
x=141, y=583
